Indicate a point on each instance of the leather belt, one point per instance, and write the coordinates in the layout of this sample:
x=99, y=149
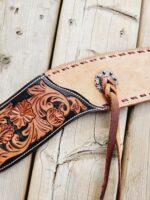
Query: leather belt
x=46, y=104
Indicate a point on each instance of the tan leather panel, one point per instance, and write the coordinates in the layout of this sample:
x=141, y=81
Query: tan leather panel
x=132, y=67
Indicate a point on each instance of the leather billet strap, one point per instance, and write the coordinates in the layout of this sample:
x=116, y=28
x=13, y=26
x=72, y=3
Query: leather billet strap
x=110, y=91
x=36, y=113
x=49, y=102
x=130, y=66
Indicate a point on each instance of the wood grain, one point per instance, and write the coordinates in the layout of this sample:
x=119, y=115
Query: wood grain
x=144, y=30
x=27, y=29
x=71, y=164
x=136, y=166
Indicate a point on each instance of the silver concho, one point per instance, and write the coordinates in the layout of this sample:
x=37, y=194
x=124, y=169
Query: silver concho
x=99, y=77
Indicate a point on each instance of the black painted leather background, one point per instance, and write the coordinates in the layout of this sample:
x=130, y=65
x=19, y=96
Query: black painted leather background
x=35, y=114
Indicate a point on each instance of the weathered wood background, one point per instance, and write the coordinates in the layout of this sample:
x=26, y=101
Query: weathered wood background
x=36, y=35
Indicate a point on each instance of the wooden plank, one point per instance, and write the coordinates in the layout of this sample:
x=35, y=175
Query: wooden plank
x=136, y=167
x=136, y=176
x=90, y=27
x=27, y=30
x=144, y=30
x=75, y=169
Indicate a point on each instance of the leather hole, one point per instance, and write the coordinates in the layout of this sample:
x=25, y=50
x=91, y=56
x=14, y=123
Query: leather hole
x=55, y=72
x=131, y=52
x=134, y=98
x=75, y=65
x=92, y=60
x=65, y=68
x=83, y=62
x=112, y=56
x=122, y=54
x=101, y=58
x=124, y=100
x=141, y=51
x=142, y=95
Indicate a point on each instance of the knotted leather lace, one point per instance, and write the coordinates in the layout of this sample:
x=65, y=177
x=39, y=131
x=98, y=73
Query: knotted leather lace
x=110, y=92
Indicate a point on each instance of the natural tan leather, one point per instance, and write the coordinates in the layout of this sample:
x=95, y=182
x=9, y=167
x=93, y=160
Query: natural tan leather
x=132, y=67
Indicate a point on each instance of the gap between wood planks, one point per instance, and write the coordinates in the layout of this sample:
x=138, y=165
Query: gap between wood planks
x=117, y=11
x=131, y=108
x=55, y=35
x=30, y=174
x=106, y=8
x=50, y=62
x=140, y=24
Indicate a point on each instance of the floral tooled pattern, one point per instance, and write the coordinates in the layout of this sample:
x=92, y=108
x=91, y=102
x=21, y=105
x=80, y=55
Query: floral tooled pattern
x=6, y=133
x=22, y=114
x=55, y=117
x=45, y=110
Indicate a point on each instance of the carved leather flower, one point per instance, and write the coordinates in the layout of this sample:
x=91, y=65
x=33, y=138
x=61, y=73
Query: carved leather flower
x=6, y=133
x=22, y=114
x=55, y=117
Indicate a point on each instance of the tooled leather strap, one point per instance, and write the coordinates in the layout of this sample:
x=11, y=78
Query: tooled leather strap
x=52, y=100
x=36, y=113
x=109, y=89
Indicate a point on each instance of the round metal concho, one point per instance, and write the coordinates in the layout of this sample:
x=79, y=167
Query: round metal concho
x=99, y=77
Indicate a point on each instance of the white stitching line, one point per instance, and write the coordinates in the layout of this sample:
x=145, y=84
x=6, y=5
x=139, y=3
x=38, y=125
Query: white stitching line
x=42, y=141
x=95, y=108
x=78, y=115
x=47, y=78
x=122, y=102
x=57, y=86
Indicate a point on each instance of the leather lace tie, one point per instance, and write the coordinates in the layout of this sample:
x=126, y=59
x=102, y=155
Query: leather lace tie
x=110, y=92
